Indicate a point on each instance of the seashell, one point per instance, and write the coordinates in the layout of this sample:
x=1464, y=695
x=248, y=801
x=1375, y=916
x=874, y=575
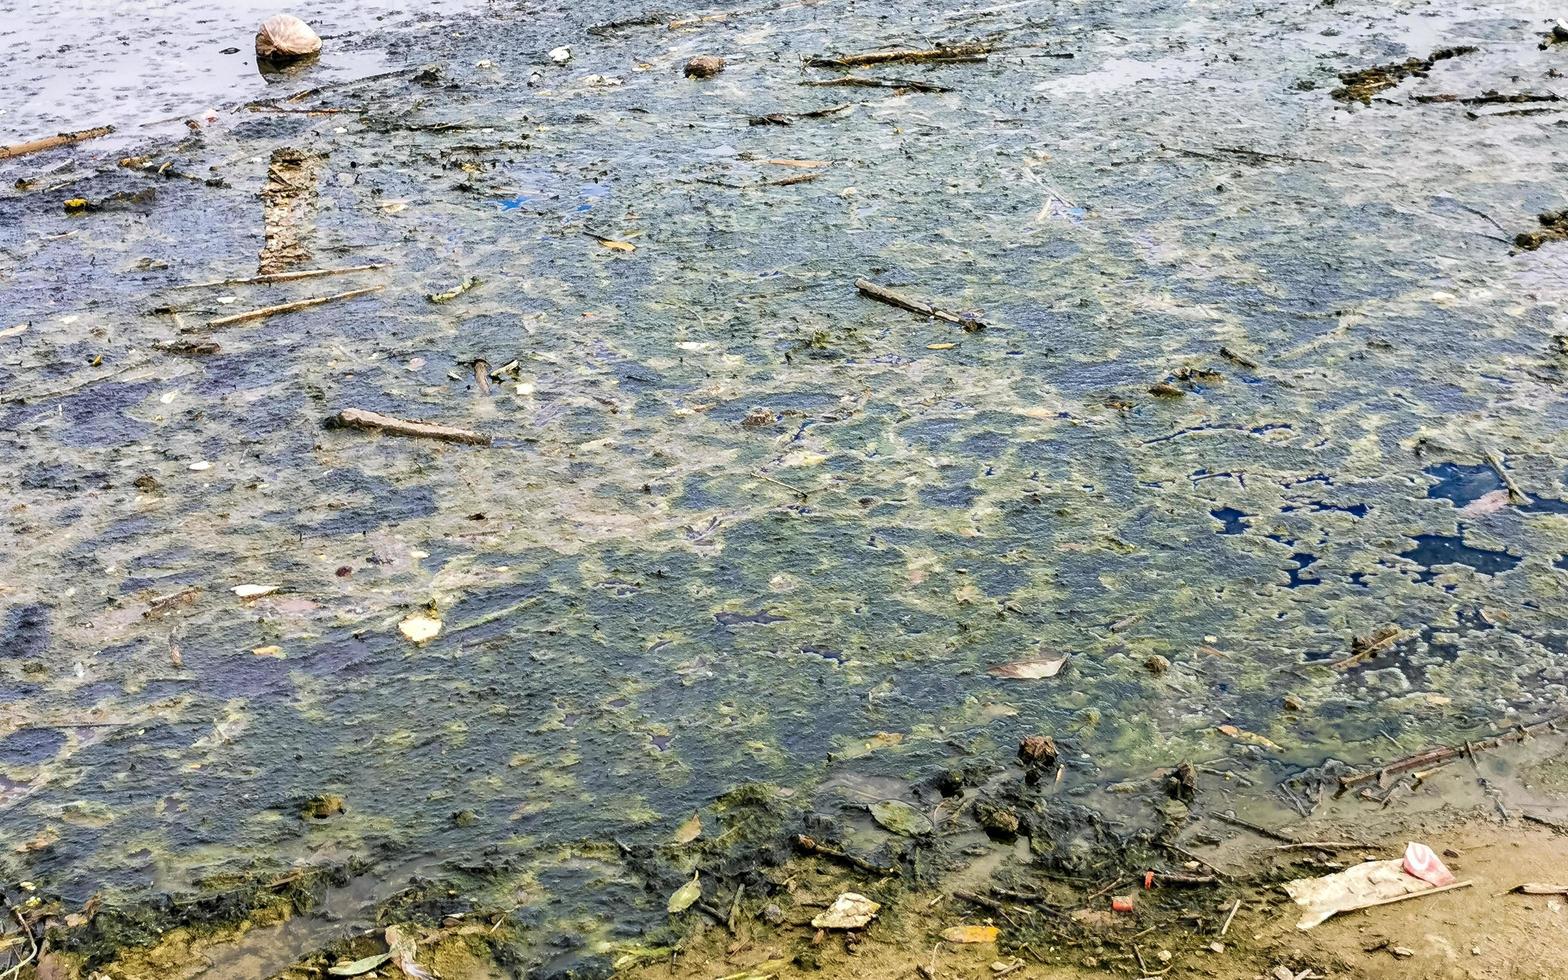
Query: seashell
x=285, y=38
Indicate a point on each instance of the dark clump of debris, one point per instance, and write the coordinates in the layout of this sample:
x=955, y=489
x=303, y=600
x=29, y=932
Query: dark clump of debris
x=1361, y=85
x=1554, y=228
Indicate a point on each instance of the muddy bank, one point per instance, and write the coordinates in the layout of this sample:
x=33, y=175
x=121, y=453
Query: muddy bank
x=1217, y=423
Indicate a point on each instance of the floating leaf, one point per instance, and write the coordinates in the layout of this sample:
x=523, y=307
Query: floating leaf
x=686, y=895
x=250, y=591
x=900, y=818
x=1029, y=670
x=1251, y=738
x=970, y=934
x=690, y=830
x=358, y=967
x=420, y=628
x=848, y=911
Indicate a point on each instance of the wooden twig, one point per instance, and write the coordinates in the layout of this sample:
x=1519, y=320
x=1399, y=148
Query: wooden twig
x=953, y=53
x=1430, y=756
x=1363, y=648
x=1320, y=845
x=31, y=939
x=358, y=418
x=865, y=81
x=888, y=296
x=52, y=142
x=810, y=845
x=1515, y=495
x=787, y=118
x=280, y=277
x=189, y=348
x=1258, y=829
x=1233, y=910
x=266, y=311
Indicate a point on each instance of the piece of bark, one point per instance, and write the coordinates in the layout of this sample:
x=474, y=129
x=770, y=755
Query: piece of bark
x=52, y=142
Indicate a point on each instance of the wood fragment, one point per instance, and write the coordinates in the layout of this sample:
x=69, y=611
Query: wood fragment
x=53, y=142
x=1430, y=756
x=281, y=276
x=1229, y=918
x=949, y=53
x=1545, y=822
x=1321, y=845
x=788, y=118
x=888, y=296
x=1538, y=888
x=358, y=418
x=268, y=311
x=1516, y=496
x=865, y=81
x=188, y=348
x=810, y=845
x=482, y=376
x=1364, y=648
x=469, y=282
x=1258, y=829
x=1240, y=359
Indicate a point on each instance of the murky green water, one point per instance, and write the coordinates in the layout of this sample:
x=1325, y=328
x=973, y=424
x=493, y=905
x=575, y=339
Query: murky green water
x=740, y=520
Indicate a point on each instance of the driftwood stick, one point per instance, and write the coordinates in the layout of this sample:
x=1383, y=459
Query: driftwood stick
x=1258, y=829
x=810, y=845
x=1516, y=496
x=888, y=296
x=281, y=277
x=1446, y=752
x=864, y=81
x=1233, y=910
x=358, y=418
x=956, y=52
x=266, y=311
x=52, y=142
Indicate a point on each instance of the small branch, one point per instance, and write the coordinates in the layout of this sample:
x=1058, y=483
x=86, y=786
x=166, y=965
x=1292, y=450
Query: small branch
x=358, y=418
x=1258, y=829
x=281, y=277
x=811, y=846
x=864, y=81
x=267, y=311
x=888, y=296
x=954, y=53
x=52, y=142
x=1516, y=496
x=787, y=118
x=31, y=939
x=1233, y=910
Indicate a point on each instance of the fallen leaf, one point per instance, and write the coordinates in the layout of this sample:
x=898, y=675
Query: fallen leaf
x=616, y=246
x=250, y=591
x=686, y=895
x=848, y=911
x=940, y=346
x=900, y=818
x=1251, y=738
x=403, y=948
x=690, y=830
x=420, y=628
x=358, y=967
x=970, y=934
x=1029, y=670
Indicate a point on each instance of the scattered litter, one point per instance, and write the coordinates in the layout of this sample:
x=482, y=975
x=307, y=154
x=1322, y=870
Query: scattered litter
x=285, y=38
x=420, y=628
x=1029, y=670
x=1363, y=886
x=254, y=591
x=848, y=911
x=1421, y=862
x=971, y=934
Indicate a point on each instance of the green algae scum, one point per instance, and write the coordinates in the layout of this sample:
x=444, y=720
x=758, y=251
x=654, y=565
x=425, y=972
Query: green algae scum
x=1226, y=406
